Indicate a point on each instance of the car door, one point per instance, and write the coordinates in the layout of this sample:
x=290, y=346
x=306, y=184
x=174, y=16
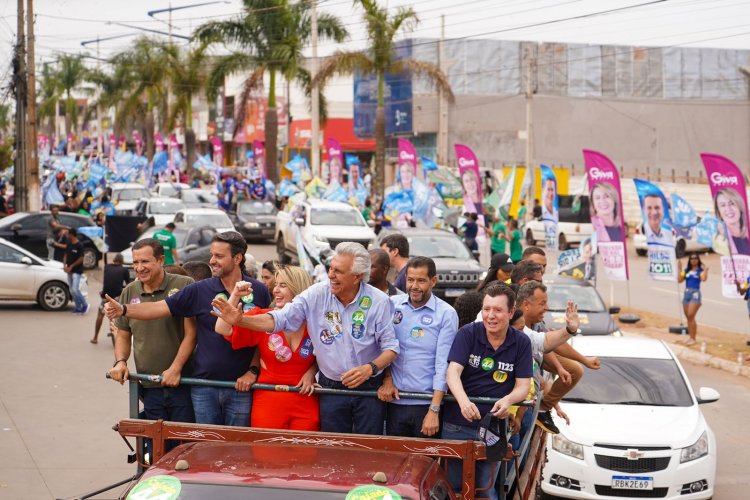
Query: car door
x=32, y=234
x=15, y=281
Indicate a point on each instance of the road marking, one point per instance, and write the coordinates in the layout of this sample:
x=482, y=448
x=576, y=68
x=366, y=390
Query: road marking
x=713, y=301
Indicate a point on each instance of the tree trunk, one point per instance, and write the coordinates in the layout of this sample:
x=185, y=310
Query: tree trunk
x=272, y=154
x=189, y=152
x=150, y=136
x=379, y=177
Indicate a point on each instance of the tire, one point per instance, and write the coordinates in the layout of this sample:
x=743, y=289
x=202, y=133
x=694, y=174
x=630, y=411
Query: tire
x=281, y=251
x=641, y=252
x=530, y=237
x=679, y=249
x=562, y=242
x=53, y=296
x=90, y=258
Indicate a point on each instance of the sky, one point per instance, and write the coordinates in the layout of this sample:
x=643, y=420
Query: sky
x=61, y=25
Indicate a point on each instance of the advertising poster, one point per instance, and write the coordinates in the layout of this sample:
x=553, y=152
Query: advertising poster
x=471, y=181
x=335, y=161
x=407, y=164
x=550, y=207
x=259, y=157
x=579, y=263
x=658, y=228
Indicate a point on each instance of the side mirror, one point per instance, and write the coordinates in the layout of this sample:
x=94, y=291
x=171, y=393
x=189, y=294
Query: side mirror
x=614, y=310
x=707, y=395
x=300, y=221
x=26, y=260
x=371, y=223
x=191, y=247
x=16, y=227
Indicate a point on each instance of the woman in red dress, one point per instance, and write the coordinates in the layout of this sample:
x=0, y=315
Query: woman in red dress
x=286, y=358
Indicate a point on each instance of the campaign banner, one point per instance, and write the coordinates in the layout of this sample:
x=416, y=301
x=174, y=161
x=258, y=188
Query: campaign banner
x=335, y=161
x=734, y=269
x=356, y=186
x=507, y=188
x=158, y=142
x=138, y=140
x=550, y=206
x=218, y=150
x=579, y=263
x=427, y=165
x=407, y=164
x=730, y=204
x=259, y=155
x=706, y=231
x=471, y=180
x=683, y=214
x=658, y=229
x=605, y=200
x=112, y=146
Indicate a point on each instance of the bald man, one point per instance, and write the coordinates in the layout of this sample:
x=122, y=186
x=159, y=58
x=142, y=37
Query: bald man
x=379, y=267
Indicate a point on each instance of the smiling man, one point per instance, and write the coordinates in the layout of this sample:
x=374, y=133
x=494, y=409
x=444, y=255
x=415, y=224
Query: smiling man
x=351, y=328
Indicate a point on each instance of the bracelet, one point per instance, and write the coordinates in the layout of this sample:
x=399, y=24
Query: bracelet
x=121, y=359
x=124, y=310
x=573, y=333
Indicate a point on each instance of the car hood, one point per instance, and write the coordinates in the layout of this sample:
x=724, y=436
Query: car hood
x=592, y=323
x=163, y=219
x=264, y=218
x=344, y=232
x=454, y=263
x=53, y=264
x=677, y=427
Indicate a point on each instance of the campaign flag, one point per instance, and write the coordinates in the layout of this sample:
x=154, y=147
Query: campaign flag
x=357, y=189
x=138, y=140
x=506, y=190
x=730, y=205
x=448, y=185
x=468, y=169
x=706, y=231
x=683, y=214
x=550, y=206
x=427, y=165
x=158, y=142
x=259, y=153
x=523, y=193
x=335, y=161
x=97, y=171
x=657, y=226
x=51, y=194
x=579, y=263
x=112, y=146
x=218, y=150
x=605, y=198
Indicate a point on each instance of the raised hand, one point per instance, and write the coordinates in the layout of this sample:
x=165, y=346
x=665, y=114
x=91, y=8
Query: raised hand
x=229, y=313
x=571, y=316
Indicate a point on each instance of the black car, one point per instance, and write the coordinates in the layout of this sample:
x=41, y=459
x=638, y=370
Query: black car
x=457, y=269
x=595, y=318
x=255, y=219
x=29, y=230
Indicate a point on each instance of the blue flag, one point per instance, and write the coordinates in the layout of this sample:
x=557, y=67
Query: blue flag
x=683, y=214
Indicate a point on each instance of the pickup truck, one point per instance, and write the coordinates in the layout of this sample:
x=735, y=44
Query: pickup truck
x=322, y=224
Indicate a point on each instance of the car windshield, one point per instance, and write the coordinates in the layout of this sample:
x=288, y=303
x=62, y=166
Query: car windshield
x=213, y=220
x=255, y=208
x=198, y=197
x=438, y=246
x=324, y=217
x=165, y=206
x=586, y=297
x=199, y=491
x=132, y=194
x=632, y=381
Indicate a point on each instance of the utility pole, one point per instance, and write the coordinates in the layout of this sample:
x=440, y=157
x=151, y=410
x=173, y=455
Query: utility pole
x=442, y=152
x=19, y=183
x=315, y=122
x=32, y=157
x=530, y=63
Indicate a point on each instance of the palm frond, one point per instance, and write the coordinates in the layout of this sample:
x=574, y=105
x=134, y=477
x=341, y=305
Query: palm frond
x=343, y=63
x=253, y=83
x=425, y=70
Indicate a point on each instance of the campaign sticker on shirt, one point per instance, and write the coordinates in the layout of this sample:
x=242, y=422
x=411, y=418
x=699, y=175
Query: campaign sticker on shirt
x=426, y=320
x=358, y=317
x=474, y=360
x=172, y=292
x=248, y=299
x=397, y=317
x=307, y=349
x=336, y=330
x=283, y=354
x=275, y=341
x=219, y=296
x=365, y=302
x=326, y=337
x=488, y=364
x=358, y=330
x=499, y=376
x=416, y=332
x=135, y=300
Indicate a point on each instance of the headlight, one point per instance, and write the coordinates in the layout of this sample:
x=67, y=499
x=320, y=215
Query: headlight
x=483, y=276
x=251, y=224
x=567, y=447
x=696, y=450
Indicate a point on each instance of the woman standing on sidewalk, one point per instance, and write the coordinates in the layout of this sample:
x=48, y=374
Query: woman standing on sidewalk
x=694, y=273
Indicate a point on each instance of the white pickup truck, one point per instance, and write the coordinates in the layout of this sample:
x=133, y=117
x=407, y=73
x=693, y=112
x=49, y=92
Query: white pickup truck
x=323, y=224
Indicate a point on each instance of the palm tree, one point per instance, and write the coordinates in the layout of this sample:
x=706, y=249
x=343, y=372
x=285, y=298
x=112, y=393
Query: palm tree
x=380, y=58
x=268, y=37
x=70, y=75
x=114, y=85
x=49, y=94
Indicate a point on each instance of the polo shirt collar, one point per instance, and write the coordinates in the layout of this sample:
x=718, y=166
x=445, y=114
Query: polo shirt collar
x=510, y=338
x=431, y=303
x=162, y=286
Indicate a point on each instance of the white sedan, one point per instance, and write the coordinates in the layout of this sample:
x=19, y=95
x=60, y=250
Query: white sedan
x=636, y=428
x=24, y=276
x=217, y=219
x=682, y=245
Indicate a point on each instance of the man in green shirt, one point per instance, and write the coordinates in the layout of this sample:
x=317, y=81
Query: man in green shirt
x=497, y=244
x=169, y=242
x=514, y=238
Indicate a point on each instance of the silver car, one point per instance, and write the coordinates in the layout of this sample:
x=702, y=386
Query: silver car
x=24, y=276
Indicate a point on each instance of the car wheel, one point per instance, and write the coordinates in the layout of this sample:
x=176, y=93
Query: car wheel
x=90, y=260
x=562, y=242
x=530, y=237
x=281, y=251
x=641, y=252
x=53, y=296
x=679, y=249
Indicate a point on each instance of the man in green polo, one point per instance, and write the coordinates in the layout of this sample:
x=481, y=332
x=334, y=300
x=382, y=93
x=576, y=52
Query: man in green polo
x=169, y=242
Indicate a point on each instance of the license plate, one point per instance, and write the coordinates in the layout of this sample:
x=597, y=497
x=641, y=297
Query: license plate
x=454, y=292
x=267, y=231
x=632, y=483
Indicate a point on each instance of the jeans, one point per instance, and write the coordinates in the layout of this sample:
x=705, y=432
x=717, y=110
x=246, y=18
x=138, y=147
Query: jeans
x=50, y=248
x=74, y=282
x=406, y=420
x=486, y=472
x=351, y=414
x=221, y=406
x=168, y=403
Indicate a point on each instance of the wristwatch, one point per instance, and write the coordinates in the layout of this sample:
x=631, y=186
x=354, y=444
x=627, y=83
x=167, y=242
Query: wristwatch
x=254, y=370
x=435, y=408
x=374, y=368
x=574, y=332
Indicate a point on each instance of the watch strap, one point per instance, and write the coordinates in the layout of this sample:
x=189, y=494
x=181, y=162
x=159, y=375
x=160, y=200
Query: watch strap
x=374, y=367
x=435, y=408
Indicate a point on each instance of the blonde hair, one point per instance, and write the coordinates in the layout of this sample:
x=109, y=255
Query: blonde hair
x=610, y=190
x=295, y=278
x=735, y=198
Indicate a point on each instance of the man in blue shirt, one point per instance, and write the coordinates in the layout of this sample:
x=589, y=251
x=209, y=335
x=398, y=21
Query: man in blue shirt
x=425, y=327
x=214, y=357
x=397, y=247
x=351, y=327
x=487, y=359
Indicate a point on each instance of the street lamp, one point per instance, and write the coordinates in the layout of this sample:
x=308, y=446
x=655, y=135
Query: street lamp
x=149, y=30
x=152, y=13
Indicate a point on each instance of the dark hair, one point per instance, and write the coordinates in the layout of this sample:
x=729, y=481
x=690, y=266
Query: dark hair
x=118, y=259
x=73, y=232
x=270, y=266
x=532, y=250
x=697, y=256
x=427, y=262
x=379, y=257
x=155, y=245
x=525, y=269
x=398, y=242
x=175, y=269
x=517, y=314
x=498, y=289
x=526, y=291
x=467, y=307
x=197, y=270
x=237, y=245
x=513, y=223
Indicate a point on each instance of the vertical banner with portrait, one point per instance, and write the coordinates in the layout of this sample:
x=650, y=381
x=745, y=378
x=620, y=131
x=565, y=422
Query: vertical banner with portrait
x=218, y=151
x=407, y=164
x=730, y=205
x=658, y=228
x=605, y=201
x=471, y=180
x=550, y=207
x=259, y=158
x=579, y=263
x=335, y=161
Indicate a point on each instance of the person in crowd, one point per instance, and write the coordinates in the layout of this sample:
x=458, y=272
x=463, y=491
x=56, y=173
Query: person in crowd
x=379, y=268
x=606, y=216
x=525, y=271
x=105, y=207
x=73, y=262
x=468, y=306
x=730, y=209
x=397, y=247
x=214, y=357
x=521, y=215
x=352, y=336
x=513, y=235
x=85, y=208
x=535, y=254
x=268, y=273
x=167, y=239
x=52, y=224
x=60, y=243
x=3, y=200
x=469, y=231
x=425, y=328
x=199, y=271
x=114, y=279
x=692, y=275
x=500, y=269
x=162, y=346
x=286, y=358
x=536, y=211
x=368, y=213
x=490, y=359
x=497, y=232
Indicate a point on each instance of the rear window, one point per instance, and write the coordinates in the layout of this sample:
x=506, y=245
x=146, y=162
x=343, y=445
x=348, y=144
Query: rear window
x=572, y=211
